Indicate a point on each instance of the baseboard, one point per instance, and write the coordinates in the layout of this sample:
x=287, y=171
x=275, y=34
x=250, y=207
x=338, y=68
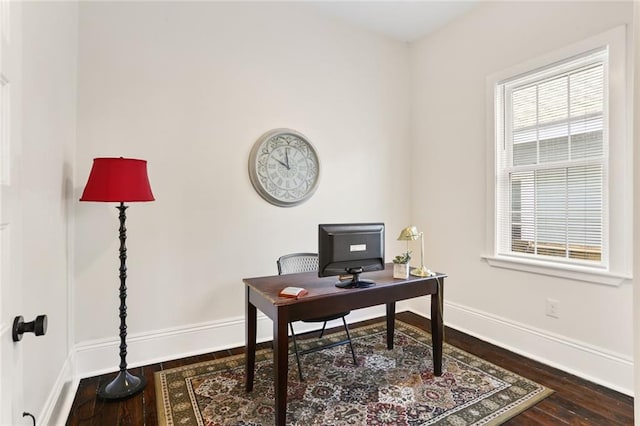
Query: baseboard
x=101, y=356
x=56, y=408
x=97, y=357
x=598, y=365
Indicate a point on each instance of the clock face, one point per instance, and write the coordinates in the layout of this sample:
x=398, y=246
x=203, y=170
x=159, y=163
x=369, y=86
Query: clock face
x=284, y=167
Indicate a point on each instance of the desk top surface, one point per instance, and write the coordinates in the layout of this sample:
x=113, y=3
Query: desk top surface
x=317, y=287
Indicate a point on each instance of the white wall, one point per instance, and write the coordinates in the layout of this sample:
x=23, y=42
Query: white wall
x=594, y=335
x=636, y=129
x=49, y=133
x=190, y=87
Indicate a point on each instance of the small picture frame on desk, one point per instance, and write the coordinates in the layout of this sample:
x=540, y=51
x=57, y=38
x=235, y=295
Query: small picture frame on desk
x=292, y=292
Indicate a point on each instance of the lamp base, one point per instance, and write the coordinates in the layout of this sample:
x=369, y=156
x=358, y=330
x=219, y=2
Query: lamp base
x=421, y=272
x=123, y=386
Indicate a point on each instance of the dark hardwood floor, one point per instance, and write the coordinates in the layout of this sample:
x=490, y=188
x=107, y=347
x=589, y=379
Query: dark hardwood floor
x=575, y=401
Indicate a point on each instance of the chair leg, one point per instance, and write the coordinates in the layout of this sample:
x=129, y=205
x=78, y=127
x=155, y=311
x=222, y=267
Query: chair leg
x=322, y=331
x=295, y=348
x=346, y=329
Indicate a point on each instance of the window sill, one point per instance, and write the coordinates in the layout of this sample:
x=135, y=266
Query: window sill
x=554, y=270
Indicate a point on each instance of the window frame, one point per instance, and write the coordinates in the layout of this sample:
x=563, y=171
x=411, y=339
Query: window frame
x=617, y=266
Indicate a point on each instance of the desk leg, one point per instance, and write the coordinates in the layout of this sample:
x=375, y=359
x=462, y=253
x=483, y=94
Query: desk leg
x=280, y=364
x=437, y=327
x=391, y=323
x=250, y=342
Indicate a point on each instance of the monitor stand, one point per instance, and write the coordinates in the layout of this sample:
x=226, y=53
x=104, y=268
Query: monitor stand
x=355, y=282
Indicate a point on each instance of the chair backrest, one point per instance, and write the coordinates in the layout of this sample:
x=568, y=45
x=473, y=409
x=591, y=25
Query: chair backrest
x=297, y=262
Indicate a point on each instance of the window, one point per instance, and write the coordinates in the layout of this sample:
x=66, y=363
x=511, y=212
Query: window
x=558, y=133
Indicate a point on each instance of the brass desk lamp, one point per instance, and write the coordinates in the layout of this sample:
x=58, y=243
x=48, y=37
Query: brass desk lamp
x=410, y=233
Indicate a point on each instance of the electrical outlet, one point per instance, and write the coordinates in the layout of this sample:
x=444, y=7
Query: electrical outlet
x=553, y=308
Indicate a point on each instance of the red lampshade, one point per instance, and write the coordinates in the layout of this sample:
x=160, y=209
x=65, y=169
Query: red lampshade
x=118, y=179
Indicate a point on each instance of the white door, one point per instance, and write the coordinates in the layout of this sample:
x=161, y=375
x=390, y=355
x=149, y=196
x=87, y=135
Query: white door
x=11, y=392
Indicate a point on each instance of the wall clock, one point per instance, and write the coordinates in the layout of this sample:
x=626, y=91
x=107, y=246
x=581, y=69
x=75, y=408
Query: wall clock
x=284, y=167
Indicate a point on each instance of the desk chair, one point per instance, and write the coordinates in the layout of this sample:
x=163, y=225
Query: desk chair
x=307, y=262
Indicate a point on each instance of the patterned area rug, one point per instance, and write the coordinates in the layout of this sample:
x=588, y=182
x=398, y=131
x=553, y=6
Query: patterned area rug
x=394, y=387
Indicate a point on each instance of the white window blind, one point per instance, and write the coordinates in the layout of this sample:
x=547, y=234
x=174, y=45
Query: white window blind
x=552, y=163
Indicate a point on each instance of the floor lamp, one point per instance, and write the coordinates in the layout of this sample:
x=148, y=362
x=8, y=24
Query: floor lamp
x=120, y=180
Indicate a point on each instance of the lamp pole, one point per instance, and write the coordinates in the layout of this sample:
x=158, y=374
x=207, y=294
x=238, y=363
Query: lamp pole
x=421, y=251
x=422, y=271
x=125, y=384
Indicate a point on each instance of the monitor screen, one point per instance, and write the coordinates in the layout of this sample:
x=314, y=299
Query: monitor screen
x=350, y=249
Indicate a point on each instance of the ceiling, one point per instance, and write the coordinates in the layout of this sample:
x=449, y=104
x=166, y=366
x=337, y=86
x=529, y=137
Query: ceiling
x=398, y=19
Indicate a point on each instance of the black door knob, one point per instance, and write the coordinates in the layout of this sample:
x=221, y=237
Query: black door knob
x=37, y=326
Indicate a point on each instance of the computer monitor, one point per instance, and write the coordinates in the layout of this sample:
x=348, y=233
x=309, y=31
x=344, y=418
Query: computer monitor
x=350, y=249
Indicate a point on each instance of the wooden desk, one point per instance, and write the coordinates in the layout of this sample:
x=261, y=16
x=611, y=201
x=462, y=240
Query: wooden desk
x=325, y=299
